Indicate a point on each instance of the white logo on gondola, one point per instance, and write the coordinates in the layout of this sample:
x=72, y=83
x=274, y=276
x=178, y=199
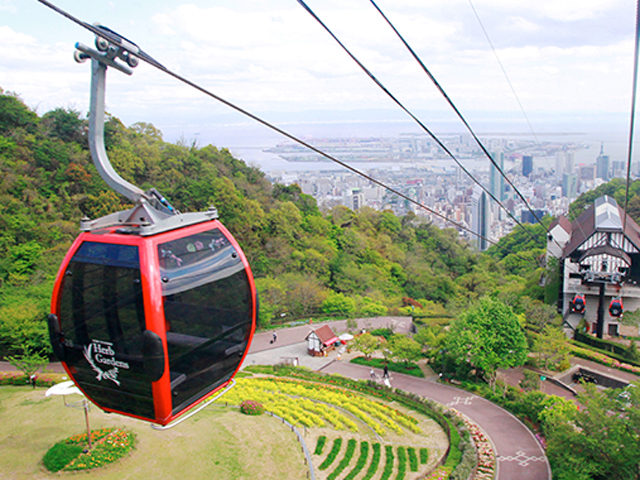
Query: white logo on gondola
x=101, y=353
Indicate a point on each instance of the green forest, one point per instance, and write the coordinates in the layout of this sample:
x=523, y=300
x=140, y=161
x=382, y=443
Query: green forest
x=306, y=262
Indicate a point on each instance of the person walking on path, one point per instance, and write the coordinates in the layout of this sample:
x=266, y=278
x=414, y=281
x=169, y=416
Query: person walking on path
x=385, y=372
x=275, y=337
x=373, y=374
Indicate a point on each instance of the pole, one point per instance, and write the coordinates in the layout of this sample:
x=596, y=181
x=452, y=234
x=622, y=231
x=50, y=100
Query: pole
x=86, y=416
x=600, y=320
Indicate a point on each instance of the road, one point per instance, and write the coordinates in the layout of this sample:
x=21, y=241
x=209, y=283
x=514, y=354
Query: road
x=518, y=454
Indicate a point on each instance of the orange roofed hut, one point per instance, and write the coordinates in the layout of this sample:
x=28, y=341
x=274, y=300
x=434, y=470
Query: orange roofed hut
x=321, y=341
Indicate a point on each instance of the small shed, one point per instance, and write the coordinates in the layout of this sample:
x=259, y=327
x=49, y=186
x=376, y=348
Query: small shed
x=321, y=340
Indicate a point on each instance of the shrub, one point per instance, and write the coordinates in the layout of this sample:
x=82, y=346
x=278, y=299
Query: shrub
x=348, y=455
x=408, y=368
x=335, y=449
x=362, y=460
x=320, y=445
x=60, y=455
x=402, y=463
x=382, y=332
x=375, y=461
x=424, y=456
x=388, y=465
x=251, y=407
x=413, y=459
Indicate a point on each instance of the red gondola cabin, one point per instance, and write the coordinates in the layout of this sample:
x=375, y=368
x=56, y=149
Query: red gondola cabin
x=149, y=326
x=615, y=307
x=578, y=304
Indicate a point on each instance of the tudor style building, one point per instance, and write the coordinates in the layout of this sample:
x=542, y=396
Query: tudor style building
x=599, y=257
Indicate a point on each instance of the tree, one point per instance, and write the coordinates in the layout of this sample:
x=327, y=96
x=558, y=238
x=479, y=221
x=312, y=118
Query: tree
x=488, y=336
x=29, y=362
x=552, y=348
x=601, y=440
x=366, y=343
x=339, y=304
x=404, y=349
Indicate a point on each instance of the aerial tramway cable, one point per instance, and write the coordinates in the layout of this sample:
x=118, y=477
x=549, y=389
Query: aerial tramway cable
x=137, y=51
x=633, y=112
x=423, y=126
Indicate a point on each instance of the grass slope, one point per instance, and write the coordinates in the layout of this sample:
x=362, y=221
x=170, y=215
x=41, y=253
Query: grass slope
x=217, y=443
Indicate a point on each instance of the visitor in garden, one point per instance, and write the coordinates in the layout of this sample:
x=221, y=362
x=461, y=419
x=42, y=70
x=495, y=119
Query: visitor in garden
x=275, y=337
x=373, y=374
x=385, y=373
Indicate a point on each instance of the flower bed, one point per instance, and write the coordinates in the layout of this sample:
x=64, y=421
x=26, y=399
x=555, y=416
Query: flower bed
x=251, y=407
x=603, y=359
x=109, y=445
x=305, y=403
x=42, y=379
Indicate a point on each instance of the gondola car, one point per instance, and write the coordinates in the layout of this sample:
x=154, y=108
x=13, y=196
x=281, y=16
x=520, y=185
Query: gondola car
x=615, y=307
x=152, y=310
x=578, y=304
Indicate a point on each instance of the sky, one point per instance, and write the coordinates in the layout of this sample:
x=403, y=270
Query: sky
x=570, y=63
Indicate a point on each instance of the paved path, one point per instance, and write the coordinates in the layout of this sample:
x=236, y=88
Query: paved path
x=519, y=455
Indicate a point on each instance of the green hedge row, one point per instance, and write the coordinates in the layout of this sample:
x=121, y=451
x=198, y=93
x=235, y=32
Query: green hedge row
x=413, y=459
x=388, y=464
x=375, y=461
x=348, y=455
x=408, y=368
x=402, y=463
x=335, y=449
x=320, y=445
x=362, y=460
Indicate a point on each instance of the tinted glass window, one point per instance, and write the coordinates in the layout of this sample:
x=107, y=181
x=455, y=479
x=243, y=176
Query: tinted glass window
x=102, y=317
x=208, y=309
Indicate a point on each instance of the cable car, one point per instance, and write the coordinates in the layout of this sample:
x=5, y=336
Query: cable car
x=152, y=310
x=615, y=307
x=578, y=304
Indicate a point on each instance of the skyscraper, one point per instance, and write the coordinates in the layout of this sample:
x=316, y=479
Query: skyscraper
x=569, y=186
x=496, y=180
x=480, y=217
x=527, y=165
x=560, y=160
x=569, y=158
x=602, y=165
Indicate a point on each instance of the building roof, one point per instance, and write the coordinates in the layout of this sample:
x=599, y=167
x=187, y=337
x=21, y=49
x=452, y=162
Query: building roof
x=563, y=221
x=325, y=334
x=605, y=215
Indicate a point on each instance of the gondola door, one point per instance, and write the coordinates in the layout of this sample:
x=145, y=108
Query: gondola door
x=99, y=310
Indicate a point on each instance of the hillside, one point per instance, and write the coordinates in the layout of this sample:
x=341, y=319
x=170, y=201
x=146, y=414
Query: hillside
x=306, y=262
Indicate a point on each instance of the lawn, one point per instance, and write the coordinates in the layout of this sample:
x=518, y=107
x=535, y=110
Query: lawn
x=218, y=443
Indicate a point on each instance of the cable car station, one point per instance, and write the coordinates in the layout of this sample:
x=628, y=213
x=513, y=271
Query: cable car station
x=599, y=267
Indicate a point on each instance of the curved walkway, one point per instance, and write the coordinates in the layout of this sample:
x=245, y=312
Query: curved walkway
x=518, y=454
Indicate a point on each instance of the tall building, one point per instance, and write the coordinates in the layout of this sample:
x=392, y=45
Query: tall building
x=480, y=218
x=569, y=186
x=569, y=158
x=354, y=199
x=527, y=165
x=603, y=165
x=560, y=161
x=496, y=180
